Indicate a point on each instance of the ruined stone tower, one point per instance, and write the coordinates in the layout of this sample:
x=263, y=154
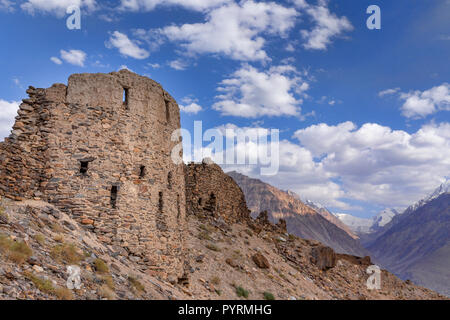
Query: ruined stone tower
x=100, y=150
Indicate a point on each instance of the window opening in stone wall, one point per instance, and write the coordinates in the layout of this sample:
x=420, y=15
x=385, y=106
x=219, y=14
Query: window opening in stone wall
x=178, y=207
x=114, y=190
x=161, y=202
x=142, y=172
x=84, y=167
x=167, y=102
x=169, y=180
x=125, y=96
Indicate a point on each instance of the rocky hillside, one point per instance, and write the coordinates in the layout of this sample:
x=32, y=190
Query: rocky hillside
x=302, y=220
x=251, y=260
x=416, y=245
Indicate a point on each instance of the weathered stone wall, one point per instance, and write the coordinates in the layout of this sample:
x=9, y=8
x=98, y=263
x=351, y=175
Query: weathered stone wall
x=105, y=161
x=210, y=192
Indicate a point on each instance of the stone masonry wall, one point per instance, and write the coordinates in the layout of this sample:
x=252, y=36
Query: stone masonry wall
x=106, y=161
x=210, y=192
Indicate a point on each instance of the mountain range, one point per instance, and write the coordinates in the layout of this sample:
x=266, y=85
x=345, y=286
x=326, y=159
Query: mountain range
x=415, y=245
x=302, y=220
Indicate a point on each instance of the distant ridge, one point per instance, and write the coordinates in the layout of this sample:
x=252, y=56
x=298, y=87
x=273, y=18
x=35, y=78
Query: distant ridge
x=302, y=220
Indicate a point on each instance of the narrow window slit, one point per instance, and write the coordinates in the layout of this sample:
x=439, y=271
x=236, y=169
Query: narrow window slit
x=167, y=103
x=125, y=96
x=142, y=172
x=161, y=202
x=169, y=180
x=84, y=167
x=114, y=190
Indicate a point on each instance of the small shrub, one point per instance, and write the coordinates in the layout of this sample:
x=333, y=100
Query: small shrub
x=63, y=293
x=39, y=239
x=59, y=238
x=100, y=266
x=67, y=253
x=215, y=281
x=106, y=292
x=56, y=227
x=136, y=284
x=108, y=280
x=212, y=247
x=268, y=296
x=219, y=292
x=241, y=292
x=42, y=284
x=17, y=251
x=204, y=235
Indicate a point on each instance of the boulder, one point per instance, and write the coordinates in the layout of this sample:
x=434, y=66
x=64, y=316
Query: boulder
x=261, y=261
x=323, y=257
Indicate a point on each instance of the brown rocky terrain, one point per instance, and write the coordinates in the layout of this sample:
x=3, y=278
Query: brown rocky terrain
x=253, y=260
x=302, y=220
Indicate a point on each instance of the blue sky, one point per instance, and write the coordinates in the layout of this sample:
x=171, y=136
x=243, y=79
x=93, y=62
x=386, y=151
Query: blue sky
x=363, y=114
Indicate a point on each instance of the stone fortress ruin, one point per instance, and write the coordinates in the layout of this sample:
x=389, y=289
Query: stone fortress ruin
x=100, y=150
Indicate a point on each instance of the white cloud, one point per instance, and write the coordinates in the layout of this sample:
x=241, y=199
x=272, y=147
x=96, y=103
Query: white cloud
x=379, y=165
x=154, y=65
x=419, y=104
x=234, y=30
x=388, y=92
x=56, y=60
x=193, y=108
x=75, y=57
x=341, y=165
x=148, y=5
x=251, y=93
x=178, y=64
x=8, y=111
x=56, y=7
x=327, y=25
x=124, y=67
x=126, y=46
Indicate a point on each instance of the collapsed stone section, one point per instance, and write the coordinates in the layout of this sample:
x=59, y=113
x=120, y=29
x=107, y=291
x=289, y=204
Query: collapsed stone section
x=100, y=150
x=212, y=193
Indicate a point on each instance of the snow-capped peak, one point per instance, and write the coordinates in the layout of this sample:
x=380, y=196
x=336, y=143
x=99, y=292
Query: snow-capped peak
x=384, y=217
x=314, y=204
x=367, y=225
x=443, y=188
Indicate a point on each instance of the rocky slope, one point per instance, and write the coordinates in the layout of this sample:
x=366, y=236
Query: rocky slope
x=416, y=245
x=302, y=220
x=254, y=260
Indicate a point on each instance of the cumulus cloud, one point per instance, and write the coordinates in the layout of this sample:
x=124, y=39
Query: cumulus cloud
x=8, y=111
x=193, y=108
x=327, y=25
x=377, y=164
x=56, y=7
x=56, y=60
x=178, y=64
x=234, y=30
x=75, y=57
x=340, y=165
x=251, y=93
x=126, y=46
x=148, y=5
x=419, y=104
